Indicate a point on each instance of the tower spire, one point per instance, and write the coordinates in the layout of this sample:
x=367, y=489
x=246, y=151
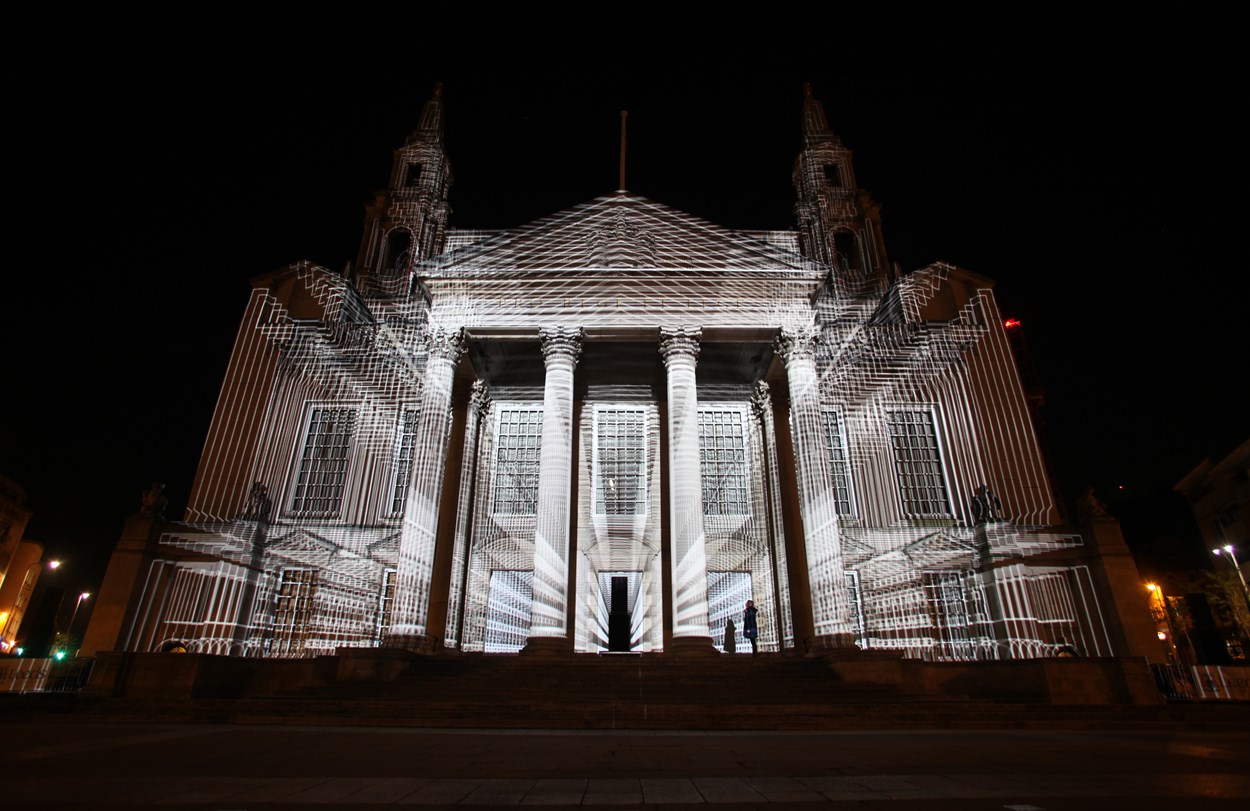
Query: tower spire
x=407, y=222
x=839, y=224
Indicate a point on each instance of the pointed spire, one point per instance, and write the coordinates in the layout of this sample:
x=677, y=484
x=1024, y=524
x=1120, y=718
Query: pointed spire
x=815, y=125
x=430, y=130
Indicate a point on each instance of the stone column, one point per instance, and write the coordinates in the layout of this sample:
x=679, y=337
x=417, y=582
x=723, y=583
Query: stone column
x=479, y=401
x=818, y=507
x=561, y=347
x=762, y=408
x=414, y=570
x=680, y=350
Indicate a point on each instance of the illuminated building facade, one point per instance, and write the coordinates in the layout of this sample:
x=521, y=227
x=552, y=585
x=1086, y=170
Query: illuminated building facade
x=606, y=430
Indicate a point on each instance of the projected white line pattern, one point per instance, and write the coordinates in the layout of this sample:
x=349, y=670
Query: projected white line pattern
x=415, y=567
x=936, y=586
x=561, y=347
x=680, y=349
x=479, y=403
x=830, y=611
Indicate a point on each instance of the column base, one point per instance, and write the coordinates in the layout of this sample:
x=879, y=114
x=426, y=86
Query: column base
x=692, y=646
x=826, y=644
x=416, y=643
x=547, y=646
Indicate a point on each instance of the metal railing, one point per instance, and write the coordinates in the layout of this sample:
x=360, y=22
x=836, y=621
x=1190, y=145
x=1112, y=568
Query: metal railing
x=22, y=675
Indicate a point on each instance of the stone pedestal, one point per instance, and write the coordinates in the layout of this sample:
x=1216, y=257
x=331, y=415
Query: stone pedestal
x=690, y=646
x=548, y=646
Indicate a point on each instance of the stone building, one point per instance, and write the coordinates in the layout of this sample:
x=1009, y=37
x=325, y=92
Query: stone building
x=604, y=431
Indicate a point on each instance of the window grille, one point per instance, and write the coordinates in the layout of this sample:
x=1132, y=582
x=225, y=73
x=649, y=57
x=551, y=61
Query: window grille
x=403, y=460
x=518, y=440
x=294, y=611
x=839, y=463
x=620, y=456
x=947, y=600
x=322, y=473
x=386, y=603
x=855, y=599
x=919, y=463
x=723, y=462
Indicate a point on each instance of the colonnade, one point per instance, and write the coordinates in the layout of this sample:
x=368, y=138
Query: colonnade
x=561, y=348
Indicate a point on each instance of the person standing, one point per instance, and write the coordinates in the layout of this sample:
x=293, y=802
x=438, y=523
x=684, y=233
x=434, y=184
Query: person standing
x=748, y=625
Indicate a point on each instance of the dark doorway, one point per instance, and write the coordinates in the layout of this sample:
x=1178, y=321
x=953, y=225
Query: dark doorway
x=618, y=616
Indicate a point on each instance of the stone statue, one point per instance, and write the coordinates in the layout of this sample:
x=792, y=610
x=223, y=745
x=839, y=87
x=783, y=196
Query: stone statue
x=153, y=500
x=985, y=506
x=258, y=504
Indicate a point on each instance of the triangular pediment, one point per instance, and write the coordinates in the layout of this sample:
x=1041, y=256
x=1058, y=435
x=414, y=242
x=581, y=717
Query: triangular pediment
x=620, y=231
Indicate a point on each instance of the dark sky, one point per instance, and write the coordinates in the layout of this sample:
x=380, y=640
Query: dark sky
x=1094, y=198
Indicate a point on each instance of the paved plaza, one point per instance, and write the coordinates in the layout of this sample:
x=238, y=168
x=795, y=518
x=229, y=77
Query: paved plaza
x=64, y=763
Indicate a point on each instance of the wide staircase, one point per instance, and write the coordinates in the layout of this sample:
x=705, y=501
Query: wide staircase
x=623, y=692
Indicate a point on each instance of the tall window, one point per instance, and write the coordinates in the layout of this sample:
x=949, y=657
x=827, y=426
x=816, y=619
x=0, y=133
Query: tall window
x=620, y=459
x=518, y=440
x=403, y=460
x=944, y=592
x=918, y=462
x=723, y=462
x=855, y=599
x=322, y=472
x=839, y=462
x=295, y=608
x=386, y=602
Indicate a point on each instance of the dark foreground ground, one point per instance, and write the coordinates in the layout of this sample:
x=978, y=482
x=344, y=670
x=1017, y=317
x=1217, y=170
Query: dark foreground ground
x=63, y=762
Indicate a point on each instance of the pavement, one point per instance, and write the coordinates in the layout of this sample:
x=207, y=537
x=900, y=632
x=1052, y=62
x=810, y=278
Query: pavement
x=60, y=762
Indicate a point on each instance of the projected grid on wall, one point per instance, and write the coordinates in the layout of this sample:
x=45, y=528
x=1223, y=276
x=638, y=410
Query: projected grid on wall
x=620, y=452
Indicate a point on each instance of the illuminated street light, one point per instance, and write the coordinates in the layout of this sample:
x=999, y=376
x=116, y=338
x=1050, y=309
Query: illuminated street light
x=1232, y=555
x=74, y=615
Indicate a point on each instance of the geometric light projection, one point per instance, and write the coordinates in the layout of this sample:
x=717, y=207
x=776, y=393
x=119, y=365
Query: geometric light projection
x=519, y=434
x=619, y=461
x=294, y=613
x=403, y=460
x=322, y=472
x=727, y=595
x=508, y=612
x=922, y=484
x=723, y=462
x=724, y=404
x=839, y=465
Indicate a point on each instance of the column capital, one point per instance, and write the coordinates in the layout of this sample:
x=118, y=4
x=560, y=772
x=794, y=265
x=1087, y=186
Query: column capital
x=563, y=343
x=479, y=396
x=679, y=341
x=761, y=399
x=445, y=344
x=797, y=344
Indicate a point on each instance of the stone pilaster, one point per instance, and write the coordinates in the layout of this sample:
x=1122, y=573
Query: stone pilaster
x=479, y=402
x=830, y=610
x=561, y=348
x=762, y=408
x=414, y=571
x=680, y=350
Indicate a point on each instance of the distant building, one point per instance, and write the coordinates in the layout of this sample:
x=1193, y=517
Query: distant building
x=1219, y=495
x=17, y=574
x=605, y=431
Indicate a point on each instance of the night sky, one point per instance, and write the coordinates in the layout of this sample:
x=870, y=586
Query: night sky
x=1093, y=198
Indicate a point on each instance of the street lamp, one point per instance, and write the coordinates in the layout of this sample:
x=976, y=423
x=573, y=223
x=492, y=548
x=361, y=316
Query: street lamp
x=74, y=615
x=9, y=616
x=1232, y=555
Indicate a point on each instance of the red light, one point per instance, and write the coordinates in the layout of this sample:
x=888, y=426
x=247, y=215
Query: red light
x=1011, y=323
